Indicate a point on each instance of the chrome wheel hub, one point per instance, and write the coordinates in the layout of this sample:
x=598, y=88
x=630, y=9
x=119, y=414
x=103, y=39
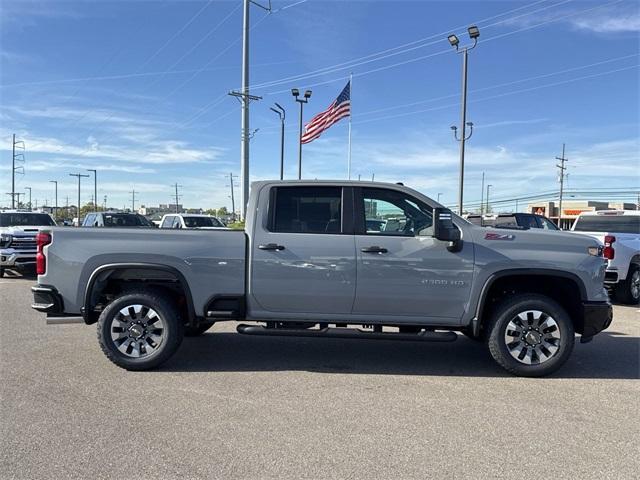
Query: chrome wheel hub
x=137, y=331
x=532, y=337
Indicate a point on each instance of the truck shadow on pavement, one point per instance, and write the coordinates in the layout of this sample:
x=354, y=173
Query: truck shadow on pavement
x=611, y=355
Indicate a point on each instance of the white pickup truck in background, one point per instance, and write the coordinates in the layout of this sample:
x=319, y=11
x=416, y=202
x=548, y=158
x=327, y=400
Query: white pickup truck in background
x=619, y=231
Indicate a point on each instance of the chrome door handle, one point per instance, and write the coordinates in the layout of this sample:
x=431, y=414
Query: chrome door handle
x=374, y=249
x=271, y=246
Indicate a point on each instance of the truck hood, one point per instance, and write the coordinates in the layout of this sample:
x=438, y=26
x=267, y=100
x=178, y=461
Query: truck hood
x=552, y=248
x=26, y=230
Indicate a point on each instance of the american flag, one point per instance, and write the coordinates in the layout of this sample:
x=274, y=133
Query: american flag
x=339, y=109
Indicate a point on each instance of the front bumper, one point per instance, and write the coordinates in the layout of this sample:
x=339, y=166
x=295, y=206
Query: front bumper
x=10, y=258
x=597, y=316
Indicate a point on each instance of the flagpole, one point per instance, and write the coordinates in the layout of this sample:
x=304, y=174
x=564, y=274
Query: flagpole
x=350, y=116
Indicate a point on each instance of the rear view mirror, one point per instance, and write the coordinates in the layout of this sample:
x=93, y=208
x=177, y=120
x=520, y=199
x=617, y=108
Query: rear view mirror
x=443, y=227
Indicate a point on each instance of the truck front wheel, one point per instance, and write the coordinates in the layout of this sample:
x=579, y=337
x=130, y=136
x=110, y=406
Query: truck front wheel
x=530, y=335
x=140, y=331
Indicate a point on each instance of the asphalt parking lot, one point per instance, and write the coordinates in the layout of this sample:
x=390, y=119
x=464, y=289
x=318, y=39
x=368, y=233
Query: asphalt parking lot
x=232, y=406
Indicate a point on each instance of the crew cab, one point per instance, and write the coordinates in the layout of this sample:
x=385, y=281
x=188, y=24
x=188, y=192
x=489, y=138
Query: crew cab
x=619, y=231
x=310, y=264
x=115, y=219
x=18, y=229
x=189, y=220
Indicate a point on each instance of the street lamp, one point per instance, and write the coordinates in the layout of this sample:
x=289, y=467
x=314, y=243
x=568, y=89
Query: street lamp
x=439, y=197
x=29, y=188
x=474, y=33
x=488, y=187
x=307, y=95
x=282, y=114
x=55, y=215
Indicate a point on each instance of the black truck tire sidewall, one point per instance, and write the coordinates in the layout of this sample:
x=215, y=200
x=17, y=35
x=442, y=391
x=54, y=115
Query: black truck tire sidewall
x=166, y=309
x=506, y=311
x=622, y=292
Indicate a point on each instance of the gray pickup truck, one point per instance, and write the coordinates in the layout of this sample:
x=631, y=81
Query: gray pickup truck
x=321, y=258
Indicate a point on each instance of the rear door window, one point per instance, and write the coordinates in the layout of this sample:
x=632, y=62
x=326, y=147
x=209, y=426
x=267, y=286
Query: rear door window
x=168, y=220
x=307, y=210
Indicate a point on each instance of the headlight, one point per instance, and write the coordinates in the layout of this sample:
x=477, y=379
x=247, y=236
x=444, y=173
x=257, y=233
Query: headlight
x=595, y=251
x=5, y=240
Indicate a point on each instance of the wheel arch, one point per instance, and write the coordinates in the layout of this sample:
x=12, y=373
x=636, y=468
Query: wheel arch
x=100, y=276
x=565, y=288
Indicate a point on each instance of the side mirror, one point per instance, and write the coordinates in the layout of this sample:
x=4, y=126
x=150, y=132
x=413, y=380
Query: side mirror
x=444, y=228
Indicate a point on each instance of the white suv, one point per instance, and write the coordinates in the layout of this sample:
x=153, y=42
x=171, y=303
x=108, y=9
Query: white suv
x=18, y=229
x=192, y=221
x=619, y=231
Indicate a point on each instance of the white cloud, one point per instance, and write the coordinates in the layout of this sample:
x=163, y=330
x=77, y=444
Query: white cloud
x=609, y=23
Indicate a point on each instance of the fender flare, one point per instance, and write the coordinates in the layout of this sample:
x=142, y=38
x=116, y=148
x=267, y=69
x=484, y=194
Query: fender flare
x=86, y=308
x=477, y=320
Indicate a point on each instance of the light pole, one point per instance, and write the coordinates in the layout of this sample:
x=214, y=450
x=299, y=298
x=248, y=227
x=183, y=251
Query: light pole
x=55, y=215
x=29, y=188
x=307, y=95
x=282, y=114
x=95, y=188
x=474, y=33
x=79, y=175
x=482, y=195
x=488, y=187
x=439, y=197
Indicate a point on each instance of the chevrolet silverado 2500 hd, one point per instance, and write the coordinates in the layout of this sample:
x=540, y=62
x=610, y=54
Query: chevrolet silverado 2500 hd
x=319, y=257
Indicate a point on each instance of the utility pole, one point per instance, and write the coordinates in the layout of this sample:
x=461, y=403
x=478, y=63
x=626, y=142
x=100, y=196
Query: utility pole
x=20, y=169
x=30, y=205
x=104, y=205
x=133, y=200
x=561, y=175
x=488, y=187
x=482, y=195
x=439, y=197
x=281, y=114
x=55, y=215
x=245, y=98
x=95, y=187
x=474, y=33
x=79, y=175
x=233, y=201
x=177, y=197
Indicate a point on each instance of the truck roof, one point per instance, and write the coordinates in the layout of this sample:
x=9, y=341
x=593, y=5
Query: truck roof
x=611, y=213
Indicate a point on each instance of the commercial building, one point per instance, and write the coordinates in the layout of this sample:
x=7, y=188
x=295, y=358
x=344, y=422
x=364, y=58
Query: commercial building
x=572, y=208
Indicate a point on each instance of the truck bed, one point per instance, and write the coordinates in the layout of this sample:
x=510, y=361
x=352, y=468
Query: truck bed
x=212, y=261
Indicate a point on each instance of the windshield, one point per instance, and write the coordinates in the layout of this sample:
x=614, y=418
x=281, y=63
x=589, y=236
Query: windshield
x=195, y=222
x=125, y=220
x=25, y=219
x=608, y=223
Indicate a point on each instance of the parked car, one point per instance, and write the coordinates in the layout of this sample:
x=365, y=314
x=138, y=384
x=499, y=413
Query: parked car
x=192, y=221
x=307, y=265
x=18, y=229
x=115, y=219
x=513, y=220
x=619, y=232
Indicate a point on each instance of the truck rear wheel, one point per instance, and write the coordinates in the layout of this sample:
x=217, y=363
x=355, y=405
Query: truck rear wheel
x=628, y=290
x=140, y=331
x=530, y=335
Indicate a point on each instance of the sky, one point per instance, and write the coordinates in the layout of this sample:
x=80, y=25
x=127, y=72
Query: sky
x=138, y=91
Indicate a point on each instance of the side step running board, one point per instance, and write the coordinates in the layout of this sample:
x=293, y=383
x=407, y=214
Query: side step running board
x=62, y=320
x=424, y=336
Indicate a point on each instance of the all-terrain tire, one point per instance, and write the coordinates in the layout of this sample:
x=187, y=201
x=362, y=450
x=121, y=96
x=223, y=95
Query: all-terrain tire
x=198, y=330
x=536, y=310
x=628, y=290
x=170, y=336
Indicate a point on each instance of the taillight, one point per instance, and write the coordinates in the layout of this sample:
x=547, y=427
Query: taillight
x=42, y=239
x=608, y=252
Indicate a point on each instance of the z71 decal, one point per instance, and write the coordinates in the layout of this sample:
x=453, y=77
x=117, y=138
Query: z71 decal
x=499, y=236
